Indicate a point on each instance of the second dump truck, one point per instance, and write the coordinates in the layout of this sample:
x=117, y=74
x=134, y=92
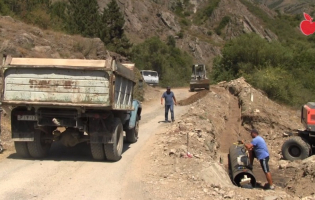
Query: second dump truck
x=70, y=101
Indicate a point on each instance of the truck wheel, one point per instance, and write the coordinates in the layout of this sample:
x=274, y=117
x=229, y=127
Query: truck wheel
x=38, y=148
x=192, y=89
x=113, y=151
x=21, y=149
x=1, y=148
x=132, y=134
x=97, y=150
x=295, y=148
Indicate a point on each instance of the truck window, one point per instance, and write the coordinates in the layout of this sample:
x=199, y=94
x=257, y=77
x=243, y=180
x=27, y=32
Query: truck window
x=149, y=73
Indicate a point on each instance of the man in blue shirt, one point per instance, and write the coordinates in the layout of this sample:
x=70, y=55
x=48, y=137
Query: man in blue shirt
x=258, y=148
x=169, y=103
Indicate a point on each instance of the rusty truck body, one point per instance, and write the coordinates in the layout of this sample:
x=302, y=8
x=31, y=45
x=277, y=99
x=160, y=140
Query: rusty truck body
x=70, y=101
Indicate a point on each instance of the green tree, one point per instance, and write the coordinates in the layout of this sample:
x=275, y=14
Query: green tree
x=58, y=16
x=4, y=10
x=171, y=41
x=83, y=17
x=112, y=29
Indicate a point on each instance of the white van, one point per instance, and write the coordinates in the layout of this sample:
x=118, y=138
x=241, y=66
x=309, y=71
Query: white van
x=150, y=77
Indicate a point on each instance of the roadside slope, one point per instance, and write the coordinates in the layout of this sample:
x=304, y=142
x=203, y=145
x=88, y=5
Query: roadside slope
x=212, y=124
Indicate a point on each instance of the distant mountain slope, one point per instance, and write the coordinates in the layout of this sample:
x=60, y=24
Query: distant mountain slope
x=290, y=6
x=201, y=27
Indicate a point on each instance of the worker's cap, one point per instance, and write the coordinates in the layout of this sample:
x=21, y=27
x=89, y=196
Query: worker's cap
x=168, y=87
x=254, y=131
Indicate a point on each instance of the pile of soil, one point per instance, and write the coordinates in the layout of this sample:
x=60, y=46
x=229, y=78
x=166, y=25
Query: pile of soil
x=193, y=98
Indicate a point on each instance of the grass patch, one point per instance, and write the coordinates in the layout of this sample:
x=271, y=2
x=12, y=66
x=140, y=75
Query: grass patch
x=225, y=20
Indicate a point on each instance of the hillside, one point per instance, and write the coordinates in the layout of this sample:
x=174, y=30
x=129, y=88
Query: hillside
x=290, y=6
x=197, y=21
x=199, y=27
x=22, y=40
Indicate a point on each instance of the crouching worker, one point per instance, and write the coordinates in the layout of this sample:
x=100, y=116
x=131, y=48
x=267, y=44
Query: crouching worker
x=258, y=148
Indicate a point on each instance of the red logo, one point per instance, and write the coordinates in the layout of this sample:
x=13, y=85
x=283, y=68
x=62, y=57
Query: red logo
x=307, y=26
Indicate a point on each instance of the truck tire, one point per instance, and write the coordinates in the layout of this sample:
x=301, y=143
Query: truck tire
x=113, y=151
x=192, y=89
x=295, y=148
x=38, y=148
x=97, y=150
x=21, y=149
x=132, y=134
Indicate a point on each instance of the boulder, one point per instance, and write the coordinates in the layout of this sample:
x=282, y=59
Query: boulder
x=216, y=175
x=42, y=49
x=169, y=20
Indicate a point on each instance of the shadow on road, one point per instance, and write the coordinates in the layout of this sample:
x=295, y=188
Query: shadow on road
x=80, y=152
x=164, y=121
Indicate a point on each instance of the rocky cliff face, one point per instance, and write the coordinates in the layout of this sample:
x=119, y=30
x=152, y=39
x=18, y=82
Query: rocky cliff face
x=145, y=19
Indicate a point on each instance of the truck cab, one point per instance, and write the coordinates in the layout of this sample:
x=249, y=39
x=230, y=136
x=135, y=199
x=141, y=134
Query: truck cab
x=150, y=77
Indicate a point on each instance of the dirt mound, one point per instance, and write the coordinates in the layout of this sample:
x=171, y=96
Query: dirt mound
x=193, y=98
x=303, y=174
x=212, y=124
x=151, y=93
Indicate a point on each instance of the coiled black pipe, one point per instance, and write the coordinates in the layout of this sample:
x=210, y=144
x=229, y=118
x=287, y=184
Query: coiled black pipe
x=240, y=166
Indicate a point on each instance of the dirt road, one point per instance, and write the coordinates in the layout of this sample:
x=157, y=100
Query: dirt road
x=72, y=174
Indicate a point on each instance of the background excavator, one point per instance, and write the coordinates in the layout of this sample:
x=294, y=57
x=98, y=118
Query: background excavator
x=199, y=77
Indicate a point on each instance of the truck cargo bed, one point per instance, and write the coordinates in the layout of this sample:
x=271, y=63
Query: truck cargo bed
x=67, y=82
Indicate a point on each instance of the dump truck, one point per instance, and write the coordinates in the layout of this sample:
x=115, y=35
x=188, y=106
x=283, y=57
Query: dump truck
x=70, y=101
x=199, y=77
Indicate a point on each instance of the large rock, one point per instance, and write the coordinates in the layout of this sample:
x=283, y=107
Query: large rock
x=25, y=40
x=7, y=47
x=42, y=49
x=170, y=21
x=216, y=175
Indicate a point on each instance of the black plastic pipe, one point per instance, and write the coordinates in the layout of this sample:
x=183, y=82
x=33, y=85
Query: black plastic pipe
x=239, y=165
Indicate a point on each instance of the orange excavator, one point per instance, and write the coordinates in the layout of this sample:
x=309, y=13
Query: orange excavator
x=300, y=144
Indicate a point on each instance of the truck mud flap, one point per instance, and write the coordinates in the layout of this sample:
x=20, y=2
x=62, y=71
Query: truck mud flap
x=22, y=128
x=101, y=130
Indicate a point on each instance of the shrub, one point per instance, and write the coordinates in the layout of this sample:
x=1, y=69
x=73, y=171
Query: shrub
x=184, y=22
x=284, y=72
x=225, y=20
x=4, y=9
x=180, y=34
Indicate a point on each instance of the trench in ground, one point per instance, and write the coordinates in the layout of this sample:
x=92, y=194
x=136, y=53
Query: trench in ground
x=234, y=132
